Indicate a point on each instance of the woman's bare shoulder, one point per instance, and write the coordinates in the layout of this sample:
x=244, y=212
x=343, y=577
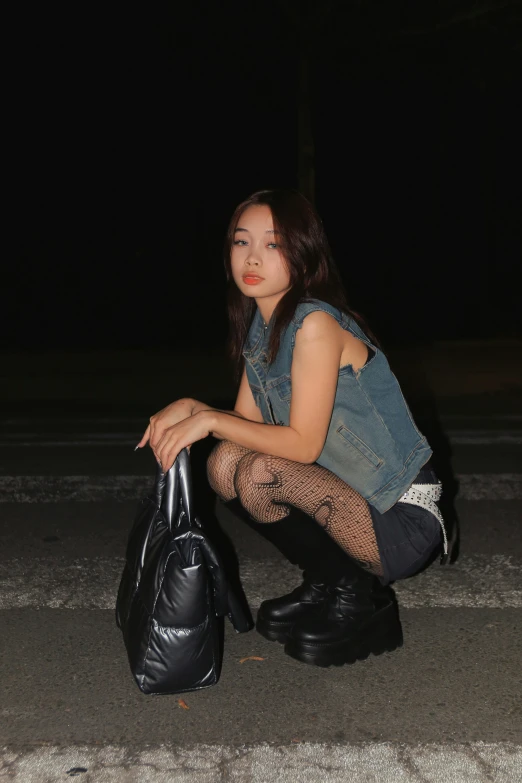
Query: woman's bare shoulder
x=317, y=324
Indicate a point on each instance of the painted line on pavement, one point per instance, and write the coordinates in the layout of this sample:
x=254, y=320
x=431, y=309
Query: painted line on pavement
x=485, y=438
x=474, y=582
x=464, y=437
x=89, y=489
x=65, y=443
x=385, y=762
x=20, y=421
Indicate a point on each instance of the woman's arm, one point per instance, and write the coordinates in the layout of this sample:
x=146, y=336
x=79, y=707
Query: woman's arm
x=265, y=438
x=244, y=408
x=199, y=407
x=314, y=374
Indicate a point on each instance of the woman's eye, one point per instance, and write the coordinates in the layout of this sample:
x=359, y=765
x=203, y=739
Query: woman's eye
x=240, y=242
x=273, y=245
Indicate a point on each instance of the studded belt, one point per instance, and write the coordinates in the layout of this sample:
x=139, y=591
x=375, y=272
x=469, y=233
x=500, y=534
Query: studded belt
x=426, y=495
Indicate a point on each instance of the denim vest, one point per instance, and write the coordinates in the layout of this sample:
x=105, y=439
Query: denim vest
x=372, y=442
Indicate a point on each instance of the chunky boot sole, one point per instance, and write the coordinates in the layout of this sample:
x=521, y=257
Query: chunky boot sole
x=356, y=648
x=274, y=632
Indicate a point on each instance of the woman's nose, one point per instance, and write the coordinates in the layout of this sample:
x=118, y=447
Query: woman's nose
x=253, y=257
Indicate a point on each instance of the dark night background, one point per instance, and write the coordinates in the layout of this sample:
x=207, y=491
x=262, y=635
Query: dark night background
x=132, y=136
x=131, y=131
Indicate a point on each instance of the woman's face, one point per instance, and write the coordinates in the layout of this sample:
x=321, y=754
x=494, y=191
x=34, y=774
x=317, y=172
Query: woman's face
x=255, y=252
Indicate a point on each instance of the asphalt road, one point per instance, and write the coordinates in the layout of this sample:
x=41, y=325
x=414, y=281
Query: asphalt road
x=446, y=707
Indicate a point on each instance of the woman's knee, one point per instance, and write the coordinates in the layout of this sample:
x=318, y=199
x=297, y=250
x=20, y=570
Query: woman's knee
x=260, y=470
x=257, y=484
x=254, y=474
x=217, y=465
x=221, y=467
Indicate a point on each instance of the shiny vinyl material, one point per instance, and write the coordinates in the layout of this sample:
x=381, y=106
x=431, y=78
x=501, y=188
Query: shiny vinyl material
x=172, y=591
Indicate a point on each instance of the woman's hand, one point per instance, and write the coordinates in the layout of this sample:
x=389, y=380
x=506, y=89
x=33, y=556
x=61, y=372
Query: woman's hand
x=172, y=414
x=182, y=435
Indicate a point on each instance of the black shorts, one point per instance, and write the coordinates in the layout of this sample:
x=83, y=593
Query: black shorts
x=407, y=535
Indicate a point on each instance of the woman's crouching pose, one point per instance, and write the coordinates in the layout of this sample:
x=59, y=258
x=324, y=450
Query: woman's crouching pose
x=320, y=454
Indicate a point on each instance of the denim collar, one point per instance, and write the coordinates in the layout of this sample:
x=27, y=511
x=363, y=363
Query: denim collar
x=257, y=334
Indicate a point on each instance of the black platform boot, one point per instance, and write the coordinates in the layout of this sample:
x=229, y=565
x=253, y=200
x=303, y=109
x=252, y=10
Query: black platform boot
x=277, y=616
x=357, y=620
x=303, y=542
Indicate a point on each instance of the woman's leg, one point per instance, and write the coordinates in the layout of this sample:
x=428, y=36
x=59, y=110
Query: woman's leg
x=295, y=534
x=341, y=613
x=267, y=486
x=300, y=496
x=357, y=617
x=221, y=468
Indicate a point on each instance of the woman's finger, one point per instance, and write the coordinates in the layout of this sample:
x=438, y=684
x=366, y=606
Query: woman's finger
x=153, y=432
x=170, y=448
x=168, y=458
x=169, y=445
x=161, y=439
x=158, y=433
x=162, y=448
x=143, y=441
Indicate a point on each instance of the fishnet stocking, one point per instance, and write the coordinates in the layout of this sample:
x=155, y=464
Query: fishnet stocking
x=267, y=486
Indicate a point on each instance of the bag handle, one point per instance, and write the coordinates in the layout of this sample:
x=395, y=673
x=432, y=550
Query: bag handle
x=177, y=482
x=185, y=480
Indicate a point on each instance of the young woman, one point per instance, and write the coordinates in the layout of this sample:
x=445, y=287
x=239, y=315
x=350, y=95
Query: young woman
x=320, y=454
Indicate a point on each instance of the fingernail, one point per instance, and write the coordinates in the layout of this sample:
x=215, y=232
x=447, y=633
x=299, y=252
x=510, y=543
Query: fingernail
x=137, y=447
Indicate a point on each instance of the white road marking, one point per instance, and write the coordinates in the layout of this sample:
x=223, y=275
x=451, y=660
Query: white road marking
x=463, y=437
x=384, y=762
x=21, y=421
x=489, y=486
x=38, y=439
x=58, y=489
x=485, y=439
x=78, y=442
x=474, y=582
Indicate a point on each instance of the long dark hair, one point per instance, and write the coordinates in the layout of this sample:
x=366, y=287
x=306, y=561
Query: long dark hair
x=313, y=272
